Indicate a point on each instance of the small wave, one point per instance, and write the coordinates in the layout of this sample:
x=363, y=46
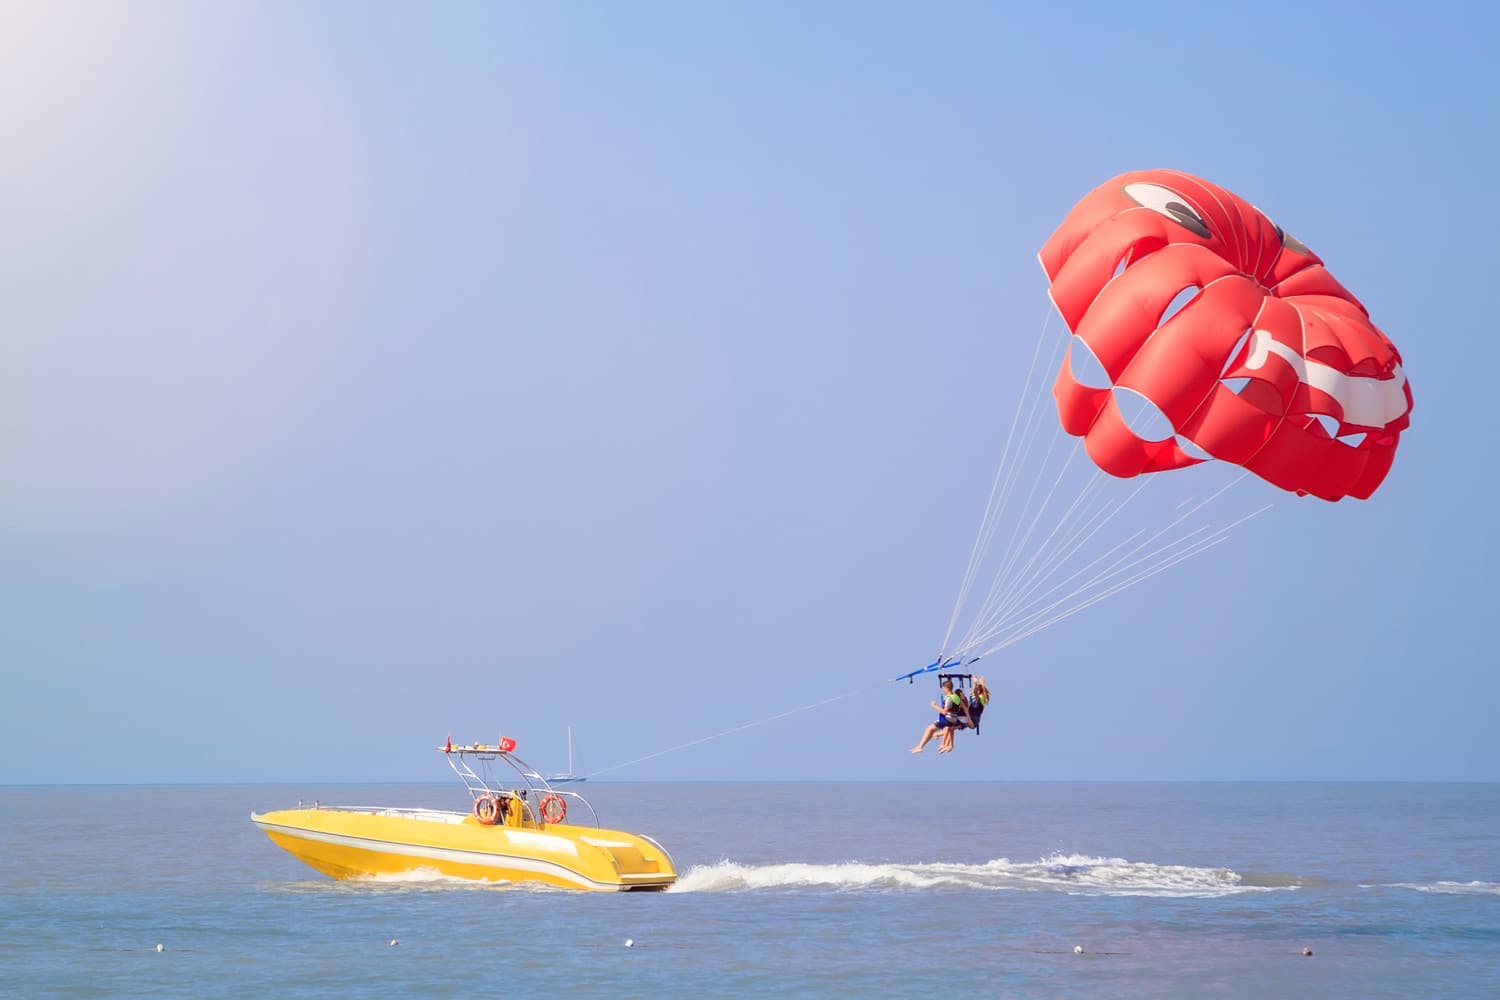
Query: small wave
x=1445, y=888
x=1071, y=873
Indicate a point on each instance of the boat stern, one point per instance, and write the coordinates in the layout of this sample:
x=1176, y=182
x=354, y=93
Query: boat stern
x=626, y=862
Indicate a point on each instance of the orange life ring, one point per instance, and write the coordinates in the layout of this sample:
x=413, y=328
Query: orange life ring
x=554, y=809
x=487, y=810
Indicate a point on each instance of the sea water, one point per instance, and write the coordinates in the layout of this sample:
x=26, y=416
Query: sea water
x=801, y=889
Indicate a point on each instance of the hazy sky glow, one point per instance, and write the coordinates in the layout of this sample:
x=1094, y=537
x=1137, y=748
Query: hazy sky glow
x=370, y=372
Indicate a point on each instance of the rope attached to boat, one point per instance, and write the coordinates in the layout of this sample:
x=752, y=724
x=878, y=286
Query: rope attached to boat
x=728, y=732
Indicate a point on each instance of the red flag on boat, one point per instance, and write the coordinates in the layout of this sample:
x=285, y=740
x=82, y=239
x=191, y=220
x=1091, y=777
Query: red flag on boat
x=507, y=744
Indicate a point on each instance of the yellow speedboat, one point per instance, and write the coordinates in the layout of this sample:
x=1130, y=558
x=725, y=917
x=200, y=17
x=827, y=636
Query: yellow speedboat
x=518, y=831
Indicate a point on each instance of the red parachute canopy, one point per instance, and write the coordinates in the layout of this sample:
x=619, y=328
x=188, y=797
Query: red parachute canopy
x=1272, y=364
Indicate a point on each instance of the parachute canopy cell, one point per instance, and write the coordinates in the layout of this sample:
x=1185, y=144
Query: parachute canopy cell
x=1270, y=364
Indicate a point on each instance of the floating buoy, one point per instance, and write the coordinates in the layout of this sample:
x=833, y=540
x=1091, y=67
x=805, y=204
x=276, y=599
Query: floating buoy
x=1078, y=949
x=1307, y=953
x=630, y=942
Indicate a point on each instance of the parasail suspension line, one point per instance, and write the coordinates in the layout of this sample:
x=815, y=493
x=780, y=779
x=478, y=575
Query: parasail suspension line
x=991, y=517
x=1123, y=564
x=1202, y=545
x=1012, y=466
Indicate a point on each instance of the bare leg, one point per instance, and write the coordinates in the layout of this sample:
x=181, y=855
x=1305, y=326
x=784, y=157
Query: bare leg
x=926, y=737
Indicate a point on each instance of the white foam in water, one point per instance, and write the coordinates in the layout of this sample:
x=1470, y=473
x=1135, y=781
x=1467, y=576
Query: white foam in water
x=431, y=878
x=417, y=875
x=1450, y=888
x=1073, y=874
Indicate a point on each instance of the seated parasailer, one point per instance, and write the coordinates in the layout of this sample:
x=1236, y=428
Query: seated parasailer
x=979, y=699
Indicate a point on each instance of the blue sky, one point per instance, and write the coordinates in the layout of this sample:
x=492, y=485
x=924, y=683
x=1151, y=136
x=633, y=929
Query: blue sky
x=369, y=373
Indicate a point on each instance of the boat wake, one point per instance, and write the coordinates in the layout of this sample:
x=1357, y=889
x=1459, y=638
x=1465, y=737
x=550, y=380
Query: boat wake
x=421, y=876
x=1071, y=874
x=1445, y=888
x=431, y=878
x=422, y=879
x=416, y=879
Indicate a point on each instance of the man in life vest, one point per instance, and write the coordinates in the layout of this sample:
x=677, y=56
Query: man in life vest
x=953, y=710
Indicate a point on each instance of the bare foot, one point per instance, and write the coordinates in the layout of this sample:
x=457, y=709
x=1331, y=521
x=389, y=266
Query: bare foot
x=916, y=749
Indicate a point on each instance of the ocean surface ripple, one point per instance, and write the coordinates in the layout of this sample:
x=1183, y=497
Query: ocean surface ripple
x=809, y=889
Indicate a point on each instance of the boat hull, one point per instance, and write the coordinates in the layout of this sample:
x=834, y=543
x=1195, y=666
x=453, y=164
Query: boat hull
x=346, y=843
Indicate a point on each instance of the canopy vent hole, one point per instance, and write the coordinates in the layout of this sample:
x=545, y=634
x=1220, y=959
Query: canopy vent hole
x=1179, y=303
x=1234, y=355
x=1191, y=450
x=1085, y=366
x=1142, y=416
x=1329, y=424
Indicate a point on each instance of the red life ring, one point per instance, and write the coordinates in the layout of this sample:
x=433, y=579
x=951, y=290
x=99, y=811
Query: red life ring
x=487, y=810
x=554, y=809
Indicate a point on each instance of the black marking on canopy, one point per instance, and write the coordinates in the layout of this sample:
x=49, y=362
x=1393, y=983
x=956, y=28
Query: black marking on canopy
x=1187, y=218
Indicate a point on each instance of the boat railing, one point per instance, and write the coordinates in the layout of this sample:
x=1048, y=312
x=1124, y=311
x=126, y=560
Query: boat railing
x=533, y=788
x=410, y=812
x=593, y=816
